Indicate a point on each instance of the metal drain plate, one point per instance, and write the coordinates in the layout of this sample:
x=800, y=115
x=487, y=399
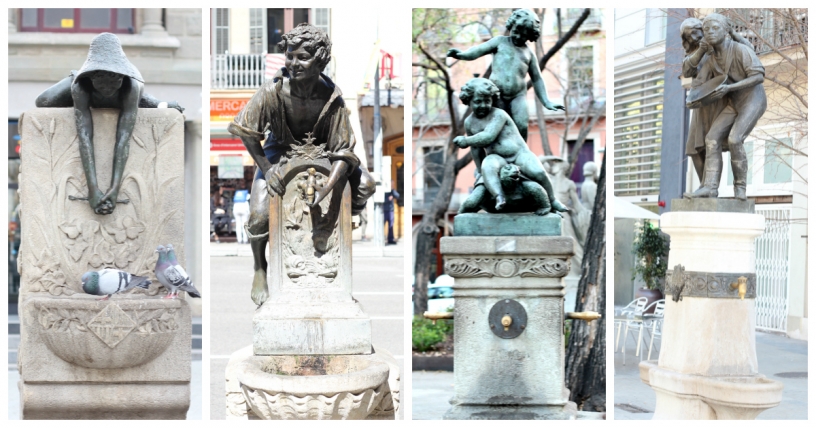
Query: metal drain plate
x=501, y=311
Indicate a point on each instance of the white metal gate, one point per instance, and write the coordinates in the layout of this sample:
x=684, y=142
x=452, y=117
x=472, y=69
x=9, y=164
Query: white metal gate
x=773, y=269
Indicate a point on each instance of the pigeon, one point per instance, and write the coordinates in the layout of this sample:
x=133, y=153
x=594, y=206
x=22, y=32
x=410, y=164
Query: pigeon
x=108, y=282
x=171, y=275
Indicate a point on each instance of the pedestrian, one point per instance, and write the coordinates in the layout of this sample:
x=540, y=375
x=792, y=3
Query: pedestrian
x=363, y=224
x=240, y=209
x=388, y=212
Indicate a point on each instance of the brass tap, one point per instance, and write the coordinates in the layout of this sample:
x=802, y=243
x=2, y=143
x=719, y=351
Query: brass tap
x=741, y=285
x=433, y=316
x=310, y=186
x=506, y=321
x=586, y=316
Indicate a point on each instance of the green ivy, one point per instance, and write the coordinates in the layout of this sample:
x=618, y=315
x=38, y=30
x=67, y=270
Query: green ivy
x=651, y=256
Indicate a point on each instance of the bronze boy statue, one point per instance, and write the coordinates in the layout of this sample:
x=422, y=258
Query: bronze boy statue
x=106, y=80
x=512, y=62
x=300, y=107
x=729, y=71
x=494, y=142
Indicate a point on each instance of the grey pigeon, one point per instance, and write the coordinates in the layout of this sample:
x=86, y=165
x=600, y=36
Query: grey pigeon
x=107, y=282
x=171, y=275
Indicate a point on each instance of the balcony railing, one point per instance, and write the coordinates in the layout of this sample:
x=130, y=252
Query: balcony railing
x=238, y=71
x=774, y=27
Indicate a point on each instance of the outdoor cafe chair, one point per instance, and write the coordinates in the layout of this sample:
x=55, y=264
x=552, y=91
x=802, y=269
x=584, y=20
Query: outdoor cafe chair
x=654, y=321
x=627, y=313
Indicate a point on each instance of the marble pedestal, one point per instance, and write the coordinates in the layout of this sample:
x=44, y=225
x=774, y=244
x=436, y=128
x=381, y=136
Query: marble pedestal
x=79, y=358
x=311, y=355
x=509, y=378
x=708, y=365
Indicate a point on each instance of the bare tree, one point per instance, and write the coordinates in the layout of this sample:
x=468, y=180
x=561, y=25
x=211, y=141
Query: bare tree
x=586, y=350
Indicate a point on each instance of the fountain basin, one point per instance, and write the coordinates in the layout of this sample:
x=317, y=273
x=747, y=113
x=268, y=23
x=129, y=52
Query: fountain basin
x=690, y=396
x=123, y=332
x=276, y=387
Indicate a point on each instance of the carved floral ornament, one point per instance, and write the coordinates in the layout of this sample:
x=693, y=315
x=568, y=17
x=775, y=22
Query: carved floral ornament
x=73, y=241
x=544, y=267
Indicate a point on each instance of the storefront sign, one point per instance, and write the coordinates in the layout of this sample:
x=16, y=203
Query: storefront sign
x=225, y=109
x=222, y=144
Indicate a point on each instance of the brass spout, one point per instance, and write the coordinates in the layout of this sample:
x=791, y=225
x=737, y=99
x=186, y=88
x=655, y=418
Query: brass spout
x=741, y=285
x=506, y=321
x=433, y=316
x=310, y=186
x=586, y=316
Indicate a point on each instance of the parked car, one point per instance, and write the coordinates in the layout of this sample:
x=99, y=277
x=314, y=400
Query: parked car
x=440, y=294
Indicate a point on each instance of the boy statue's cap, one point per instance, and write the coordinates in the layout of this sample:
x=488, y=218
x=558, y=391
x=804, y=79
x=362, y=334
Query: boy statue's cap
x=106, y=54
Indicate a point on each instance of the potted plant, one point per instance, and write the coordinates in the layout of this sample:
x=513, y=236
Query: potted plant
x=651, y=261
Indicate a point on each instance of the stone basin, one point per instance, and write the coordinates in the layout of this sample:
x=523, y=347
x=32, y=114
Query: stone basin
x=314, y=387
x=690, y=396
x=122, y=332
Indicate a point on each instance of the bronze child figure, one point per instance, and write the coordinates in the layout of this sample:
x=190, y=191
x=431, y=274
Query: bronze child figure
x=495, y=141
x=106, y=80
x=299, y=107
x=512, y=62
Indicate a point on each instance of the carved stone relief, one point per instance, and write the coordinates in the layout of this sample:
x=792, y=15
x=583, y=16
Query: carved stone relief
x=546, y=267
x=311, y=254
x=64, y=238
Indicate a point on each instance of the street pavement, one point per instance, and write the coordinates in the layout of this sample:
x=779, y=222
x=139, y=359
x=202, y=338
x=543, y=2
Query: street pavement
x=379, y=286
x=776, y=354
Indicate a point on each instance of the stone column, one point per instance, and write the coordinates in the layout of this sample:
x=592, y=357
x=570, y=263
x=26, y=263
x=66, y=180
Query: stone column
x=80, y=358
x=708, y=365
x=513, y=371
x=152, y=24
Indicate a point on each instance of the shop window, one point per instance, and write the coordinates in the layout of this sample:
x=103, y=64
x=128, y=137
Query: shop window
x=77, y=20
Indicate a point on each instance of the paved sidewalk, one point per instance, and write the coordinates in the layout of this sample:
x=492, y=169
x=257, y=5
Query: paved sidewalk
x=358, y=248
x=780, y=358
x=432, y=391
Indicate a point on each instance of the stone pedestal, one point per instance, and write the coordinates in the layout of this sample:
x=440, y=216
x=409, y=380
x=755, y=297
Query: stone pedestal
x=311, y=356
x=128, y=357
x=497, y=376
x=708, y=364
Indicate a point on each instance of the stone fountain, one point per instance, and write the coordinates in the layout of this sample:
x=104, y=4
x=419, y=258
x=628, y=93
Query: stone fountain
x=707, y=367
x=311, y=355
x=80, y=358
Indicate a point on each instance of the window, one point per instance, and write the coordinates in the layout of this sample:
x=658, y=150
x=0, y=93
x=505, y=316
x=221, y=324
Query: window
x=638, y=129
x=775, y=26
x=274, y=29
x=77, y=20
x=321, y=20
x=256, y=31
x=655, y=26
x=581, y=76
x=220, y=31
x=778, y=161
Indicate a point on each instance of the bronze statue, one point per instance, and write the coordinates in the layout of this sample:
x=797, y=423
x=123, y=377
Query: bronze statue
x=106, y=80
x=494, y=142
x=727, y=90
x=691, y=32
x=303, y=112
x=512, y=62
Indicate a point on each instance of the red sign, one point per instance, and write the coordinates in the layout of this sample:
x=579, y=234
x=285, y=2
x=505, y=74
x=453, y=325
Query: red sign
x=223, y=109
x=226, y=144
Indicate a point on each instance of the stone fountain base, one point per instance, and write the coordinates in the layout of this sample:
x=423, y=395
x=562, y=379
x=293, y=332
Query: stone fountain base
x=689, y=396
x=276, y=387
x=124, y=358
x=568, y=411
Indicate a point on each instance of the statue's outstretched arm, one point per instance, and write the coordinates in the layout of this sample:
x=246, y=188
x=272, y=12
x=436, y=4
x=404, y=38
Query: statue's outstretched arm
x=84, y=125
x=131, y=93
x=477, y=51
x=538, y=85
x=58, y=95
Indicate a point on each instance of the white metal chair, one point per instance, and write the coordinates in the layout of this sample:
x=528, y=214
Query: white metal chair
x=626, y=313
x=655, y=323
